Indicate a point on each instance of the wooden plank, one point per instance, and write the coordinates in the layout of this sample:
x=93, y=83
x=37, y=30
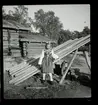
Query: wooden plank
x=27, y=77
x=17, y=66
x=25, y=72
x=14, y=40
x=17, y=78
x=5, y=46
x=71, y=50
x=14, y=33
x=5, y=42
x=36, y=87
x=74, y=47
x=66, y=45
x=4, y=29
x=34, y=44
x=14, y=45
x=14, y=80
x=21, y=70
x=5, y=33
x=5, y=38
x=15, y=51
x=87, y=59
x=61, y=45
x=34, y=51
x=62, y=79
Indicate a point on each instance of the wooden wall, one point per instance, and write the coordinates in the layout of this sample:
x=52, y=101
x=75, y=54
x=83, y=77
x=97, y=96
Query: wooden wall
x=34, y=49
x=30, y=49
x=11, y=43
x=5, y=42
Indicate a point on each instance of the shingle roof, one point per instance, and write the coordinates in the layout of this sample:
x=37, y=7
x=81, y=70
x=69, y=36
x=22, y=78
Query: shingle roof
x=14, y=25
x=35, y=38
x=7, y=24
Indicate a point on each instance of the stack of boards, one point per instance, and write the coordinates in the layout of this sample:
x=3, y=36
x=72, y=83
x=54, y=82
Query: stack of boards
x=23, y=71
x=27, y=69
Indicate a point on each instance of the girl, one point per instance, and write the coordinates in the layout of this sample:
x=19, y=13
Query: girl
x=46, y=60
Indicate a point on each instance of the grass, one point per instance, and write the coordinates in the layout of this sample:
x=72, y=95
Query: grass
x=54, y=91
x=66, y=90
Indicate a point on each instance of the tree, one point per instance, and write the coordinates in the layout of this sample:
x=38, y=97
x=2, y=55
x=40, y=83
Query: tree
x=21, y=13
x=76, y=34
x=47, y=23
x=64, y=36
x=86, y=31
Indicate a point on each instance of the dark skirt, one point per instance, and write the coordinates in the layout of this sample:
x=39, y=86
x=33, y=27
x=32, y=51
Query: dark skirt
x=47, y=64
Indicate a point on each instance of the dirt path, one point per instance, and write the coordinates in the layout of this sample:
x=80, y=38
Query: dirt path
x=79, y=91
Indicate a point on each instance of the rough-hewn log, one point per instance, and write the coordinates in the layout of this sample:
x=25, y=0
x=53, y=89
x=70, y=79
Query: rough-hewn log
x=30, y=71
x=22, y=71
x=17, y=66
x=31, y=74
x=25, y=67
x=19, y=77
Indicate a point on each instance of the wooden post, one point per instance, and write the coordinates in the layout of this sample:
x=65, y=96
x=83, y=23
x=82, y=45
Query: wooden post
x=87, y=59
x=68, y=67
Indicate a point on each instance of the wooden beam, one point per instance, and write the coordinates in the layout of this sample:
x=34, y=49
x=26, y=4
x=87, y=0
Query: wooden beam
x=27, y=76
x=87, y=59
x=29, y=70
x=20, y=71
x=68, y=51
x=68, y=67
x=36, y=87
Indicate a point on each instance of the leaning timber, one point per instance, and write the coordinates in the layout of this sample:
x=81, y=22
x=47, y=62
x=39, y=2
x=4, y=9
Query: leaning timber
x=22, y=70
x=27, y=77
x=66, y=48
x=15, y=79
x=13, y=72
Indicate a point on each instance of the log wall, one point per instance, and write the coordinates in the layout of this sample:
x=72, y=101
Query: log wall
x=11, y=43
x=34, y=49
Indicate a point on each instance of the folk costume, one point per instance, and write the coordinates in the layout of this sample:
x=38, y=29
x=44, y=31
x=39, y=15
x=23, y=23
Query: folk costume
x=46, y=60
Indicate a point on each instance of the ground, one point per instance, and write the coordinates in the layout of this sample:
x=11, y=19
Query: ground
x=69, y=89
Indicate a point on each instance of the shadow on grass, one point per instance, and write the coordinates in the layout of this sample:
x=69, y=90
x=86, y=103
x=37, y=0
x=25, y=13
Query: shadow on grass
x=82, y=78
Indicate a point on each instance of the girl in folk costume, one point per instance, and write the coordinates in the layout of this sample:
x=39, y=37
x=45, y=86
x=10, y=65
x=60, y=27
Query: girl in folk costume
x=46, y=60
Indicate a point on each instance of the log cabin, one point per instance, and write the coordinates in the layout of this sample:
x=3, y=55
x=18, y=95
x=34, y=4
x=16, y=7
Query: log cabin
x=19, y=41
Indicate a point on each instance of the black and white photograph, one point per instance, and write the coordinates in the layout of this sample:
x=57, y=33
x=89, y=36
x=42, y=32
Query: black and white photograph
x=46, y=51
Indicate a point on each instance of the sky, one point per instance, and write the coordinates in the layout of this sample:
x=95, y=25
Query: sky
x=74, y=17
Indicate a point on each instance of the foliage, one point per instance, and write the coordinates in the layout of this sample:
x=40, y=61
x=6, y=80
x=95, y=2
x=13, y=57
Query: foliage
x=20, y=15
x=47, y=23
x=64, y=36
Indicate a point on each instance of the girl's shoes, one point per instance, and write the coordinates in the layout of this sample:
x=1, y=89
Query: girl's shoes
x=42, y=81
